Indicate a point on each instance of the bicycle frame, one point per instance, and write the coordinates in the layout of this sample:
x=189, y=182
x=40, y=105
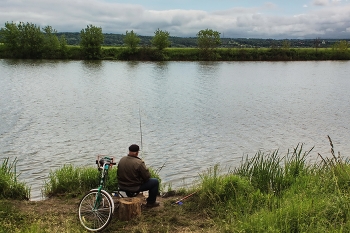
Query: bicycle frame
x=96, y=208
x=107, y=163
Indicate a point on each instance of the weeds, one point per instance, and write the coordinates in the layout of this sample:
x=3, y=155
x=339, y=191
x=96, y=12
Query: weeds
x=70, y=180
x=271, y=173
x=10, y=187
x=74, y=181
x=272, y=193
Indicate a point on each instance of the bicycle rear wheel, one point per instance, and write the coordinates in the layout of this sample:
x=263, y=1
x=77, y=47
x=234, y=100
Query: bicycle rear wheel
x=95, y=210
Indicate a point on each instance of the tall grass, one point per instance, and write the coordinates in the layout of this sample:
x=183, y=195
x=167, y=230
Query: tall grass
x=273, y=193
x=10, y=187
x=73, y=181
x=222, y=193
x=271, y=173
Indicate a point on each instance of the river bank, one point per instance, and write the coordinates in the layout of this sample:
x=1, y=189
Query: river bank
x=195, y=54
x=59, y=214
x=266, y=193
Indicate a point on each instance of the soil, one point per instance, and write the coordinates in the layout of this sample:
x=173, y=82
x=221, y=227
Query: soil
x=59, y=214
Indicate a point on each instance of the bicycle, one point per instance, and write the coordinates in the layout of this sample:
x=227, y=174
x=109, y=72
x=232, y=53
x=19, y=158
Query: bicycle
x=96, y=208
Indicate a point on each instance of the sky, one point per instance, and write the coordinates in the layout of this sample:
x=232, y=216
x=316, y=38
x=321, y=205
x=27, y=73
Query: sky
x=283, y=19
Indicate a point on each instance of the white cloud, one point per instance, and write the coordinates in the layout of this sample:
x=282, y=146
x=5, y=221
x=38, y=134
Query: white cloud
x=258, y=22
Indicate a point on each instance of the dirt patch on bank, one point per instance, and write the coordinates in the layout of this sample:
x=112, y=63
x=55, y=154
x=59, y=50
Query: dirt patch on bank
x=59, y=214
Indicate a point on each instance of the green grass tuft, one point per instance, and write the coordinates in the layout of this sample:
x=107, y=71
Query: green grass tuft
x=74, y=181
x=10, y=187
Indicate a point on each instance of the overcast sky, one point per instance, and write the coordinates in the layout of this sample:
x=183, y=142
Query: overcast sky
x=232, y=18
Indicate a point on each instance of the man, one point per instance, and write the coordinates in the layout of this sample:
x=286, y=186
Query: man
x=133, y=176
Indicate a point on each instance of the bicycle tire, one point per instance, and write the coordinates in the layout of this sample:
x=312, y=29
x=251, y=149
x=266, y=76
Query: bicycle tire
x=95, y=218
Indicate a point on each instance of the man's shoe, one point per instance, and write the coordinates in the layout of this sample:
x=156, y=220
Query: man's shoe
x=151, y=205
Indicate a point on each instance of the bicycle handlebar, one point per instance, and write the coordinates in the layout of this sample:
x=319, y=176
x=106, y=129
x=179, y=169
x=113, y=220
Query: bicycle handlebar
x=101, y=161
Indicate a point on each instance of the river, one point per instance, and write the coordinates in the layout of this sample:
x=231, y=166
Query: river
x=189, y=115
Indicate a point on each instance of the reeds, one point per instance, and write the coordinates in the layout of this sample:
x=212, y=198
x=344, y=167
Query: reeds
x=10, y=187
x=70, y=180
x=271, y=173
x=273, y=193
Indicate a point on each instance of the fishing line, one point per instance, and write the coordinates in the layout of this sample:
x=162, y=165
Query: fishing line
x=140, y=131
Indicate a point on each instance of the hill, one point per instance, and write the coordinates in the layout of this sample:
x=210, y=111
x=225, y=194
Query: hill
x=110, y=39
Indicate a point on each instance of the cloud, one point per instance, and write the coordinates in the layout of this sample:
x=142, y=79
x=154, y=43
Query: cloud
x=320, y=2
x=257, y=22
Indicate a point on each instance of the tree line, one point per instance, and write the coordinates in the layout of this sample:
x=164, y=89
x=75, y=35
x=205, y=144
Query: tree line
x=27, y=40
x=113, y=39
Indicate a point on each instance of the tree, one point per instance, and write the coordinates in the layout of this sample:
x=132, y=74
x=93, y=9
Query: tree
x=131, y=40
x=91, y=41
x=63, y=46
x=340, y=50
x=10, y=38
x=341, y=46
x=31, y=40
x=160, y=39
x=286, y=44
x=22, y=40
x=317, y=43
x=207, y=41
x=51, y=43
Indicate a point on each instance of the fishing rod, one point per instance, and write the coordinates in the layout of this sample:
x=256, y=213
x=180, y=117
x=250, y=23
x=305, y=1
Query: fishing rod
x=179, y=202
x=140, y=127
x=140, y=131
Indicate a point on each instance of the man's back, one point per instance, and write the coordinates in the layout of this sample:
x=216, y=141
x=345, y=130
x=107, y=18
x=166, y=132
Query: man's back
x=133, y=176
x=132, y=172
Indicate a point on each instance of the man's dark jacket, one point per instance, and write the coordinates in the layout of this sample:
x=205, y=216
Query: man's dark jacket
x=131, y=173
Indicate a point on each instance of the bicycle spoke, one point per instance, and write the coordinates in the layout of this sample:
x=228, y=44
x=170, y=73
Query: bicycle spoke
x=95, y=216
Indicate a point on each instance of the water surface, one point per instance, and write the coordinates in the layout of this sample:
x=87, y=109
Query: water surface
x=193, y=115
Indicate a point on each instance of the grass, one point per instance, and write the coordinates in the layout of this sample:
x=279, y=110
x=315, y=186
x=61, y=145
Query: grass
x=268, y=192
x=73, y=181
x=53, y=215
x=145, y=53
x=10, y=186
x=272, y=193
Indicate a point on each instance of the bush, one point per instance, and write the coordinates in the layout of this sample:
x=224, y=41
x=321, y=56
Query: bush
x=183, y=54
x=110, y=53
x=74, y=52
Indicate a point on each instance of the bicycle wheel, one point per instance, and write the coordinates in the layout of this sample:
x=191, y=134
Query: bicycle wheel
x=95, y=210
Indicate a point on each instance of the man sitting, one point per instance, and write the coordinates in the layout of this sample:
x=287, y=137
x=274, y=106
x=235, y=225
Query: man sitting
x=133, y=176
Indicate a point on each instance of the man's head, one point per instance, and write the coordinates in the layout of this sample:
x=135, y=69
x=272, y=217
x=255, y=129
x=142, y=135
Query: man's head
x=134, y=150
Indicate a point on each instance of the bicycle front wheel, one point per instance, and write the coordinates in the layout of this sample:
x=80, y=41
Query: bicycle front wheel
x=95, y=210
